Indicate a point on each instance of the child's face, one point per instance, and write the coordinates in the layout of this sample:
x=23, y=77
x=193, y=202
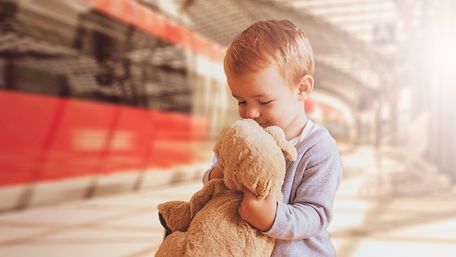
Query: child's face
x=267, y=98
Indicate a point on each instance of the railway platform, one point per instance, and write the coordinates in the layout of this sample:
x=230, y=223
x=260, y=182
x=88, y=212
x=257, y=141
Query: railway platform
x=366, y=222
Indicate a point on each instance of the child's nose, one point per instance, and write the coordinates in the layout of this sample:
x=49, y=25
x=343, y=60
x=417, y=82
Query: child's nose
x=252, y=113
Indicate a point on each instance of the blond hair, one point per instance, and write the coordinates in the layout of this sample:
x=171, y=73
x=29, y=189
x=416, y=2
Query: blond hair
x=269, y=42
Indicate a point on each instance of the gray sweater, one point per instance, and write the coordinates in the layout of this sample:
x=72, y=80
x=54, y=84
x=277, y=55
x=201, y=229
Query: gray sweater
x=310, y=184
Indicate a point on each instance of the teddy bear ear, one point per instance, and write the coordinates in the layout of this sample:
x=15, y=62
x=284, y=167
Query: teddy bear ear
x=218, y=145
x=279, y=136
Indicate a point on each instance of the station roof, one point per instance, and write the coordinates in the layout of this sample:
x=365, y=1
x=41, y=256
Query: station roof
x=353, y=40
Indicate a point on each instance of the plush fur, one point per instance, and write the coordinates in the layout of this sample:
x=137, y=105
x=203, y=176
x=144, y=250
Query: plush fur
x=209, y=224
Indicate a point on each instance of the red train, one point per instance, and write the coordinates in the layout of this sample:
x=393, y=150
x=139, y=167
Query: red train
x=88, y=90
x=47, y=138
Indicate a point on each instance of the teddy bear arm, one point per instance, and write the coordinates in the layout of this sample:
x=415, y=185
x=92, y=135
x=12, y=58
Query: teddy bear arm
x=175, y=215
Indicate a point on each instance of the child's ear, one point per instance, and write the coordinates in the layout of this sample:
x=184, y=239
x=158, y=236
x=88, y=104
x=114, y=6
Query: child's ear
x=305, y=86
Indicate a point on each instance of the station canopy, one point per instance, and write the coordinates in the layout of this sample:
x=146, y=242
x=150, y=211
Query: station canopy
x=354, y=41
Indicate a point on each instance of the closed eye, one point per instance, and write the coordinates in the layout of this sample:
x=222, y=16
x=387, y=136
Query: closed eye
x=265, y=102
x=241, y=102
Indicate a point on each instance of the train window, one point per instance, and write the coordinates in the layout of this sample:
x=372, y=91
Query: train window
x=25, y=78
x=108, y=61
x=2, y=73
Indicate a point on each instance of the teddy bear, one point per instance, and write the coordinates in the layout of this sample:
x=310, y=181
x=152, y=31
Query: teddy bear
x=209, y=224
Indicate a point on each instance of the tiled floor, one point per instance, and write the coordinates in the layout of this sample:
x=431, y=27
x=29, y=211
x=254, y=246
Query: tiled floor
x=365, y=224
x=121, y=225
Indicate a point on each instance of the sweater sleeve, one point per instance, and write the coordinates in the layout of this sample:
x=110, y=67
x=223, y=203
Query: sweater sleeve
x=206, y=175
x=310, y=212
x=208, y=172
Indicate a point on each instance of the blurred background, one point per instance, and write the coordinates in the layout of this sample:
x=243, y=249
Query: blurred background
x=109, y=107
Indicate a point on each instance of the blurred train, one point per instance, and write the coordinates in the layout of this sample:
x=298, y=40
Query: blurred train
x=91, y=88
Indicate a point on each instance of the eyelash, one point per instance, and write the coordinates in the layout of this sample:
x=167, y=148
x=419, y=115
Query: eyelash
x=262, y=103
x=265, y=103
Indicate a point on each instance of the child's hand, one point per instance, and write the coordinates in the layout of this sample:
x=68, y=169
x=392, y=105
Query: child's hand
x=258, y=213
x=217, y=172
